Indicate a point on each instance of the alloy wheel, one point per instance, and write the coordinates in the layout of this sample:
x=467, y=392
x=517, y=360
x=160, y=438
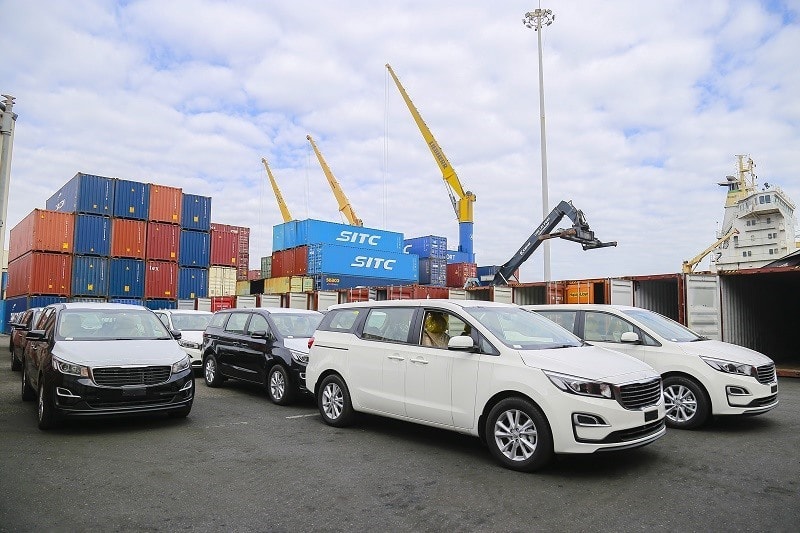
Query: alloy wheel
x=277, y=385
x=332, y=401
x=680, y=403
x=515, y=435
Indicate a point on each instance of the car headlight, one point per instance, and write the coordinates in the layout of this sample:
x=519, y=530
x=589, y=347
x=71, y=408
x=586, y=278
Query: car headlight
x=65, y=367
x=189, y=344
x=181, y=365
x=581, y=386
x=300, y=357
x=731, y=368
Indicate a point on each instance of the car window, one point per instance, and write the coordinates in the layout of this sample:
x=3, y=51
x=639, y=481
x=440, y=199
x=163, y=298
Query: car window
x=296, y=325
x=604, y=327
x=439, y=326
x=341, y=319
x=190, y=321
x=236, y=322
x=565, y=319
x=257, y=323
x=109, y=324
x=666, y=327
x=218, y=319
x=163, y=318
x=388, y=324
x=522, y=330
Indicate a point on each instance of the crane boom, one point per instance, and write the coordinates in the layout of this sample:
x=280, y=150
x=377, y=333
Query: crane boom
x=287, y=217
x=344, y=203
x=579, y=232
x=689, y=266
x=463, y=206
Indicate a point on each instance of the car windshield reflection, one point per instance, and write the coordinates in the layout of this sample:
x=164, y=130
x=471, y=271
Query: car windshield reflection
x=522, y=330
x=108, y=324
x=190, y=322
x=299, y=325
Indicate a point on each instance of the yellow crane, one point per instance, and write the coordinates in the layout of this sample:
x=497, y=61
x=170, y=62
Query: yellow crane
x=344, y=203
x=463, y=206
x=689, y=266
x=287, y=217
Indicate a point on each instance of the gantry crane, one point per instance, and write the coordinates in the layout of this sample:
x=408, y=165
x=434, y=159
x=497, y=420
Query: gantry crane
x=287, y=217
x=689, y=266
x=463, y=206
x=344, y=203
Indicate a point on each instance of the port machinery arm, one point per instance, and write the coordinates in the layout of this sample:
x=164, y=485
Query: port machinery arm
x=463, y=206
x=287, y=217
x=579, y=232
x=689, y=266
x=344, y=203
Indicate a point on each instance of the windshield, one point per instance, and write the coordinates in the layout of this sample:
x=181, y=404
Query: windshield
x=296, y=325
x=191, y=321
x=663, y=326
x=109, y=324
x=519, y=329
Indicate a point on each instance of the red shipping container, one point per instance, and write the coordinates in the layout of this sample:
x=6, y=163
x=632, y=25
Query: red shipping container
x=160, y=279
x=218, y=303
x=42, y=231
x=243, y=253
x=166, y=204
x=163, y=241
x=459, y=273
x=128, y=238
x=253, y=275
x=224, y=245
x=399, y=292
x=427, y=291
x=40, y=273
x=291, y=262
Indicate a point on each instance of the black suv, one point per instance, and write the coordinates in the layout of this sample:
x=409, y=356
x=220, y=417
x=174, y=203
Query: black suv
x=266, y=345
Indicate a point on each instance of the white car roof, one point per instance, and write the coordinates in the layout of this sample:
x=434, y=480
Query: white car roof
x=428, y=302
x=596, y=307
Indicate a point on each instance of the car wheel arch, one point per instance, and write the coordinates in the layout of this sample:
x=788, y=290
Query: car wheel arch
x=324, y=375
x=499, y=397
x=678, y=374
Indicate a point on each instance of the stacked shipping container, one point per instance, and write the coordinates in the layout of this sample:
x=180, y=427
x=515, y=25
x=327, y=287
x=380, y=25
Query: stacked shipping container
x=432, y=252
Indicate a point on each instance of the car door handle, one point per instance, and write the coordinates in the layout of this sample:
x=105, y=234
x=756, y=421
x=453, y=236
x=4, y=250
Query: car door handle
x=420, y=361
x=396, y=357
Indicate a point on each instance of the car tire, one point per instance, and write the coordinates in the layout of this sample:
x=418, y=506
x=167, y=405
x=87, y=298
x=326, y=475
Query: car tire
x=211, y=373
x=279, y=387
x=518, y=435
x=686, y=403
x=183, y=412
x=28, y=393
x=46, y=411
x=334, y=402
x=16, y=364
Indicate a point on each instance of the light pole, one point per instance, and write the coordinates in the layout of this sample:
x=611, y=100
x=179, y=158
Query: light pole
x=537, y=19
x=7, y=119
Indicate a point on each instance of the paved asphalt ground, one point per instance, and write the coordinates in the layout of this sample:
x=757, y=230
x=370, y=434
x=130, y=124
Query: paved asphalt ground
x=240, y=463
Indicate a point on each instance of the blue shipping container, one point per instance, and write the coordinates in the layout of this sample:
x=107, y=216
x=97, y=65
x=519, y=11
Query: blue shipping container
x=306, y=232
x=129, y=301
x=331, y=258
x=87, y=299
x=331, y=282
x=92, y=235
x=433, y=272
x=192, y=283
x=89, y=276
x=161, y=304
x=195, y=249
x=84, y=193
x=126, y=278
x=18, y=304
x=131, y=199
x=430, y=246
x=454, y=256
x=196, y=212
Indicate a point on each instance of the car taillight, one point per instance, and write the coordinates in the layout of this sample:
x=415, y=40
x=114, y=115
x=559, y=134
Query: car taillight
x=310, y=342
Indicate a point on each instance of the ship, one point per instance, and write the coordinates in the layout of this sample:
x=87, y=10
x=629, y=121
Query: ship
x=758, y=226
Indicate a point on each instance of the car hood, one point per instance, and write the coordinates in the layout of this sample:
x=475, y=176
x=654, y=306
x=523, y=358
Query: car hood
x=118, y=353
x=724, y=350
x=298, y=344
x=591, y=362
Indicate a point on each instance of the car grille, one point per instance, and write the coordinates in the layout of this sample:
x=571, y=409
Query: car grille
x=766, y=374
x=627, y=435
x=638, y=395
x=138, y=375
x=767, y=400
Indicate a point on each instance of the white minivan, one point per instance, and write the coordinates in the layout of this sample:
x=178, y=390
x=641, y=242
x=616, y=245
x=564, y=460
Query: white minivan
x=702, y=377
x=525, y=386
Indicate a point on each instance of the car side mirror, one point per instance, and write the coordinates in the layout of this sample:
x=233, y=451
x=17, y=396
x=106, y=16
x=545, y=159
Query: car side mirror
x=261, y=334
x=176, y=334
x=629, y=337
x=461, y=342
x=35, y=335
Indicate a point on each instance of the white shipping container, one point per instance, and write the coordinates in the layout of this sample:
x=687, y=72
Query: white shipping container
x=204, y=304
x=298, y=300
x=245, y=302
x=222, y=281
x=325, y=299
x=186, y=304
x=270, y=300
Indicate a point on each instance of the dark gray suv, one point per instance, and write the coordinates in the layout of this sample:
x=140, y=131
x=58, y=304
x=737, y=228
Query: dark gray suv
x=265, y=345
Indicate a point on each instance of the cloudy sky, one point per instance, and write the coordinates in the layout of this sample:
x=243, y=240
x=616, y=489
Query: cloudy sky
x=647, y=106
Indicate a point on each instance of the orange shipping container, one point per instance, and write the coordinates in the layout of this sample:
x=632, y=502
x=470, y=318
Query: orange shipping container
x=163, y=241
x=40, y=273
x=166, y=204
x=128, y=238
x=160, y=279
x=42, y=231
x=580, y=293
